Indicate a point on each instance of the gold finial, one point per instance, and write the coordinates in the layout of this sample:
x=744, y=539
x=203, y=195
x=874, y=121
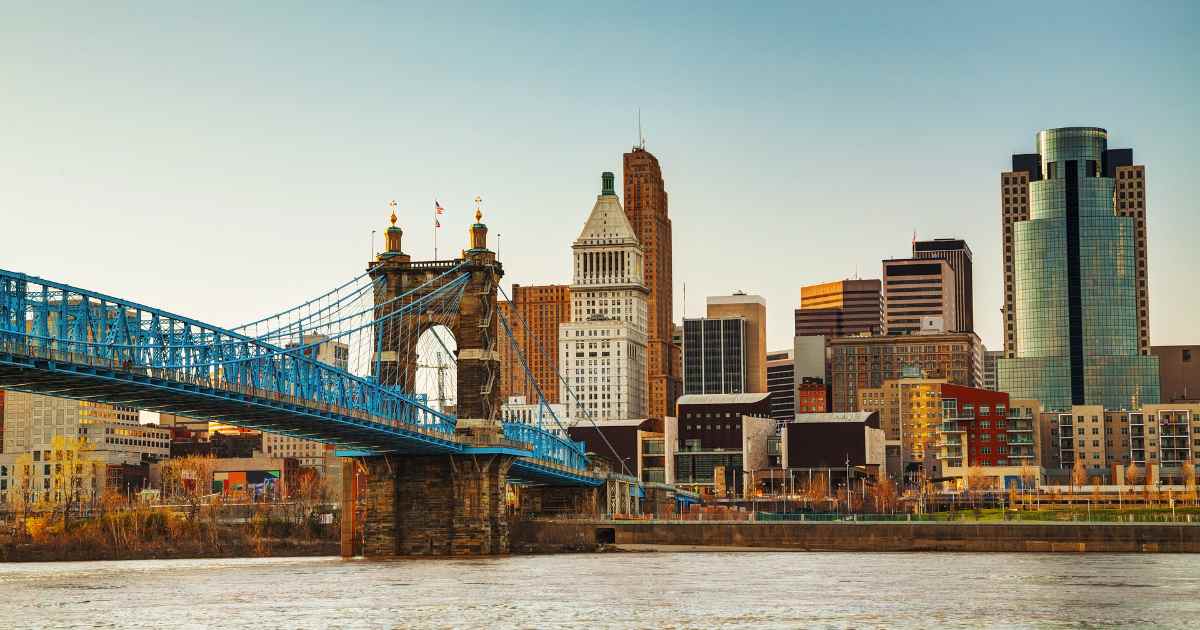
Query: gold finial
x=478, y=212
x=392, y=205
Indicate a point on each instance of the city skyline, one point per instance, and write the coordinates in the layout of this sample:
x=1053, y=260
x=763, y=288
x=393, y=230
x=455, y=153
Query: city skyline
x=224, y=159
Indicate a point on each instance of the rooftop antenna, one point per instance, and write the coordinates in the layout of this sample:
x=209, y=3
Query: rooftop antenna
x=641, y=135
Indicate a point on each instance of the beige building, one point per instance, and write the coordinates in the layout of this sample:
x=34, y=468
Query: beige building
x=1178, y=373
x=915, y=288
x=31, y=422
x=1164, y=436
x=753, y=310
x=910, y=412
x=115, y=441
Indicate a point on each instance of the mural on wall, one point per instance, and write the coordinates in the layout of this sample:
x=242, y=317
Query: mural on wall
x=254, y=482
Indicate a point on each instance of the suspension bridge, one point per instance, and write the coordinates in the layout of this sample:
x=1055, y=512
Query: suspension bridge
x=340, y=369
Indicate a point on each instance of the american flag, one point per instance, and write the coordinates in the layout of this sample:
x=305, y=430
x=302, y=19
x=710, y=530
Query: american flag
x=437, y=207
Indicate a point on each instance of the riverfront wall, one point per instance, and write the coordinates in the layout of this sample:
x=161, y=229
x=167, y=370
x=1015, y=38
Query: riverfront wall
x=538, y=536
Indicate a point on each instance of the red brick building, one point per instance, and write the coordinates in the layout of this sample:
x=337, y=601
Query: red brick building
x=646, y=207
x=534, y=315
x=982, y=416
x=812, y=396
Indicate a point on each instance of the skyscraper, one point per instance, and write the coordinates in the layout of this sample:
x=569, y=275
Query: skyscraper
x=955, y=252
x=753, y=309
x=1075, y=309
x=602, y=350
x=534, y=315
x=914, y=288
x=836, y=309
x=714, y=355
x=781, y=382
x=646, y=208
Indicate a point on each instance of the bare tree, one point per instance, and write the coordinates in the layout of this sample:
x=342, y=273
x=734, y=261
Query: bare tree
x=188, y=479
x=1078, y=474
x=976, y=483
x=883, y=495
x=816, y=490
x=1189, y=478
x=1131, y=474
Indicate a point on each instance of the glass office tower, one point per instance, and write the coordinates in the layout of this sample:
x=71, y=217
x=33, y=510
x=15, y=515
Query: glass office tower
x=1075, y=303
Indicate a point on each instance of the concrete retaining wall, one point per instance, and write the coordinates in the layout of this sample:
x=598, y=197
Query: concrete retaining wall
x=548, y=536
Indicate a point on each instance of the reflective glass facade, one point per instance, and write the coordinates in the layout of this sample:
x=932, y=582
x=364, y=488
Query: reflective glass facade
x=1075, y=287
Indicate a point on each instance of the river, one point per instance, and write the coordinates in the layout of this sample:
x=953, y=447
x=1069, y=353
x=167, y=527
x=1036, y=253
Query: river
x=616, y=590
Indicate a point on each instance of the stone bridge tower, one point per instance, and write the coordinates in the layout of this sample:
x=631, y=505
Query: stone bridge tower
x=474, y=325
x=448, y=504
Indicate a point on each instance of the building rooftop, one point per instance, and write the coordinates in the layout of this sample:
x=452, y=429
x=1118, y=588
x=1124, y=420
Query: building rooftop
x=722, y=399
x=585, y=424
x=737, y=298
x=836, y=416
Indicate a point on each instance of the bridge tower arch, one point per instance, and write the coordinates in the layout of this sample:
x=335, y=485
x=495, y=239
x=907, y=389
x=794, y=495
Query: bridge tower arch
x=474, y=326
x=449, y=504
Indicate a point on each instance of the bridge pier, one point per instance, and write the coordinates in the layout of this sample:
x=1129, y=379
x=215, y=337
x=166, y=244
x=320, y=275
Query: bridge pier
x=578, y=501
x=435, y=505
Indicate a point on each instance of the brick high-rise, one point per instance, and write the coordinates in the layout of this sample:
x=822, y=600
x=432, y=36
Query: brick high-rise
x=534, y=315
x=646, y=208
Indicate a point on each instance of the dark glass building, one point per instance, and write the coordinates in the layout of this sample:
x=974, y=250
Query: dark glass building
x=1075, y=303
x=714, y=355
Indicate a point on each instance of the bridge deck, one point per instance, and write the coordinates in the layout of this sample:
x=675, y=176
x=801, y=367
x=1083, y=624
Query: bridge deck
x=84, y=377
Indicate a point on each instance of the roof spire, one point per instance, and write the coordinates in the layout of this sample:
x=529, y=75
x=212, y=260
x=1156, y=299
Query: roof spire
x=478, y=212
x=606, y=184
x=392, y=205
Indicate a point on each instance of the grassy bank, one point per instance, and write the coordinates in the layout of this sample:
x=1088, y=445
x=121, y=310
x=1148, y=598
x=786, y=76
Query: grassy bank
x=157, y=532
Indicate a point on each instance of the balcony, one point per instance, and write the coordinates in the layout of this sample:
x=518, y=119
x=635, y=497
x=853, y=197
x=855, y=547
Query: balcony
x=1020, y=440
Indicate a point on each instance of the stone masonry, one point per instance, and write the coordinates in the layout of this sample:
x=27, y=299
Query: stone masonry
x=436, y=505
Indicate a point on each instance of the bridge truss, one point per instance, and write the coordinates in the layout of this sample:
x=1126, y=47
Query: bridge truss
x=307, y=371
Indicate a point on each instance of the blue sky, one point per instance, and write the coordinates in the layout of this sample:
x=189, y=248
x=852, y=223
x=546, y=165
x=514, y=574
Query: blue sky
x=224, y=161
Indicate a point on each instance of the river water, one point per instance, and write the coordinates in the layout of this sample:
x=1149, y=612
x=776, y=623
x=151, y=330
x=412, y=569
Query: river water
x=617, y=590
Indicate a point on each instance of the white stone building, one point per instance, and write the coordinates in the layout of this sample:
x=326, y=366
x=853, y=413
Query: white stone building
x=602, y=351
x=518, y=408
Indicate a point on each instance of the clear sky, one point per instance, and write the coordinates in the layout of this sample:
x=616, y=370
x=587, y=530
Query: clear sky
x=227, y=161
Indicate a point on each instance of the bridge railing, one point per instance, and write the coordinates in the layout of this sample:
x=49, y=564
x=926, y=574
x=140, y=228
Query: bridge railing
x=548, y=446
x=40, y=318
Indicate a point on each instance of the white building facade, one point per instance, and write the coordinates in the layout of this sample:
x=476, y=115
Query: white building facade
x=548, y=416
x=602, y=351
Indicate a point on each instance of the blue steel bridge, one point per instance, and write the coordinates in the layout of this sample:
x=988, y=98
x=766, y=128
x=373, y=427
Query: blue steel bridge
x=270, y=375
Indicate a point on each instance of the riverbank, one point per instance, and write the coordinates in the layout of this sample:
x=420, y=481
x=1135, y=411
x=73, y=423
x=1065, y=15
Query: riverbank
x=537, y=536
x=173, y=550
x=156, y=533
